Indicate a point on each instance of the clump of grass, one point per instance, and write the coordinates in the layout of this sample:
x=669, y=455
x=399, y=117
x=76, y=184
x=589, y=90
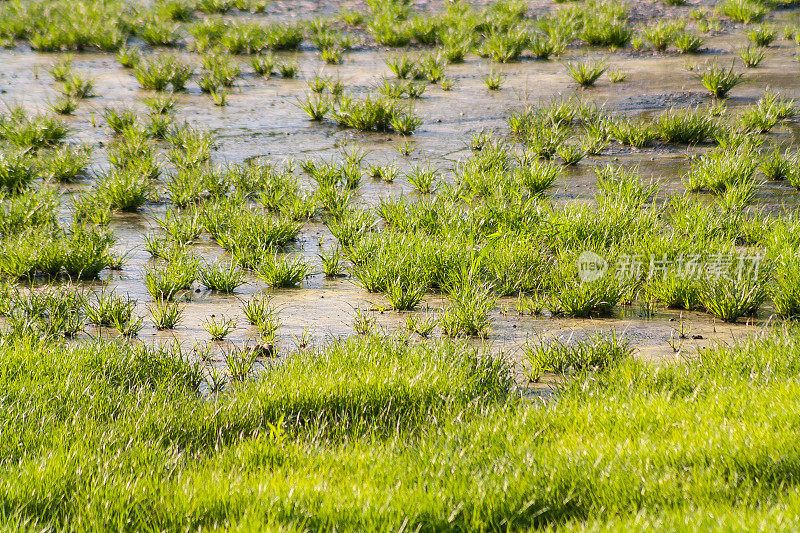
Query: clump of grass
x=263, y=64
x=758, y=118
x=719, y=81
x=638, y=134
x=688, y=43
x=219, y=328
x=208, y=83
x=316, y=106
x=282, y=271
x=162, y=71
x=585, y=299
x=794, y=178
x=262, y=315
x=789, y=32
x=336, y=87
x=332, y=55
x=66, y=105
x=415, y=90
x=663, y=33
x=125, y=190
x=722, y=169
x=455, y=46
x=181, y=228
x=395, y=90
x=367, y=114
x=729, y=299
x=596, y=353
x=166, y=314
x=586, y=73
x=468, y=312
x=240, y=362
x=752, y=56
x=220, y=276
x=364, y=323
x=47, y=314
x=675, y=291
x=387, y=173
x=318, y=83
x=405, y=294
x=400, y=65
x=33, y=132
x=130, y=328
x=737, y=197
x=17, y=170
x=62, y=164
x=128, y=57
x=687, y=126
x=288, y=69
x=430, y=67
x=776, y=105
x=220, y=70
x=108, y=309
x=423, y=178
x=777, y=166
x=351, y=16
x=404, y=122
x=61, y=69
x=537, y=176
x=165, y=282
x=545, y=47
x=785, y=289
x=504, y=46
x=191, y=148
x=20, y=257
x=133, y=152
x=406, y=148
x=570, y=154
x=332, y=262
x=371, y=113
x=158, y=32
x=213, y=6
x=422, y=326
x=160, y=103
x=119, y=120
x=219, y=97
x=607, y=28
x=544, y=141
x=87, y=252
x=708, y=22
x=622, y=188
x=284, y=36
x=389, y=31
x=762, y=35
x=594, y=143
x=494, y=80
x=745, y=11
x=75, y=85
x=617, y=76
x=158, y=126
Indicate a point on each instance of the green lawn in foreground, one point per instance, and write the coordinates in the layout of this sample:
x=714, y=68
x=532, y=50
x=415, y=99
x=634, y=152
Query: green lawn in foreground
x=374, y=434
